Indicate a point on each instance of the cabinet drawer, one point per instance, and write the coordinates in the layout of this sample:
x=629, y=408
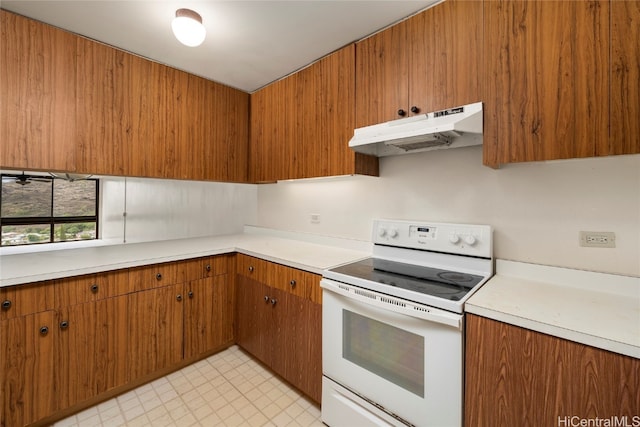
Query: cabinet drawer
x=153, y=276
x=217, y=265
x=255, y=268
x=191, y=269
x=91, y=287
x=22, y=300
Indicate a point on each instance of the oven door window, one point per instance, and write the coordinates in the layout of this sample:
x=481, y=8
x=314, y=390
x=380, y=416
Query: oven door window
x=384, y=350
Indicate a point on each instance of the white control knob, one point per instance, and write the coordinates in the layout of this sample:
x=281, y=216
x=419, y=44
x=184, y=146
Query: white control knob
x=393, y=232
x=454, y=238
x=382, y=232
x=470, y=240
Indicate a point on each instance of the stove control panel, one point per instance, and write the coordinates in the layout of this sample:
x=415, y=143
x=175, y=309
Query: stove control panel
x=462, y=239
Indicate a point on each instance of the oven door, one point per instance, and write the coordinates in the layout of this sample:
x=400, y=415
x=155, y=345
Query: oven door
x=405, y=358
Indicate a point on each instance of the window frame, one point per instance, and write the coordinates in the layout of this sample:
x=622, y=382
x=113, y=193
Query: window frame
x=51, y=220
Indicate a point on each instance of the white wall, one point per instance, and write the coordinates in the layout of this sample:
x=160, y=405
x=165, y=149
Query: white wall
x=170, y=209
x=536, y=209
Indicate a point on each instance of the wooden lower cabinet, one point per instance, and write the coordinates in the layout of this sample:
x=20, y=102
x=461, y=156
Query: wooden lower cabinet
x=91, y=352
x=280, y=328
x=208, y=315
x=518, y=377
x=155, y=335
x=27, y=360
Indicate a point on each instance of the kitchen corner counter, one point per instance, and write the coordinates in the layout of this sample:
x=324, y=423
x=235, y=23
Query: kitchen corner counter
x=302, y=252
x=596, y=309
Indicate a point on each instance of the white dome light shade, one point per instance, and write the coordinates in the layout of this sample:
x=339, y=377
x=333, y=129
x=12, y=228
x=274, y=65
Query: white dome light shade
x=187, y=27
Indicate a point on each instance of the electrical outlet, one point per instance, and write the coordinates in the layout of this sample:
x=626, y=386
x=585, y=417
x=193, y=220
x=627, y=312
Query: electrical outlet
x=598, y=239
x=315, y=218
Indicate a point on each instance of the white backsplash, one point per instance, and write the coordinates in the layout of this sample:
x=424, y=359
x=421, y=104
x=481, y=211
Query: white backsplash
x=171, y=209
x=536, y=209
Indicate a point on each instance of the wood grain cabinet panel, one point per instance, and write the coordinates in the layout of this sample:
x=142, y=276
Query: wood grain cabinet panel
x=208, y=315
x=91, y=287
x=155, y=337
x=546, y=80
x=625, y=79
x=430, y=61
x=27, y=363
x=280, y=323
x=301, y=125
x=22, y=300
x=91, y=350
x=514, y=376
x=37, y=95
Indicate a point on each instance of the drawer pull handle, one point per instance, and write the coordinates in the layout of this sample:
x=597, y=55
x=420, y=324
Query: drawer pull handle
x=159, y=276
x=190, y=294
x=179, y=297
x=251, y=268
x=273, y=301
x=208, y=267
x=64, y=324
x=415, y=109
x=266, y=298
x=6, y=304
x=94, y=288
x=44, y=330
x=292, y=283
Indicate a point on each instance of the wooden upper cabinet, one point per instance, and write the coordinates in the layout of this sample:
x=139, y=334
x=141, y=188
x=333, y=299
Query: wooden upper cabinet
x=301, y=125
x=445, y=60
x=208, y=128
x=428, y=62
x=625, y=79
x=546, y=86
x=37, y=95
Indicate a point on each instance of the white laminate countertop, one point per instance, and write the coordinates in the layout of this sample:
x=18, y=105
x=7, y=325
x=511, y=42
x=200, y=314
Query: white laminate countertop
x=597, y=309
x=303, y=253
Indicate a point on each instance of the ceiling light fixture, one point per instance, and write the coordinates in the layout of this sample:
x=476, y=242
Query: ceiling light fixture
x=187, y=27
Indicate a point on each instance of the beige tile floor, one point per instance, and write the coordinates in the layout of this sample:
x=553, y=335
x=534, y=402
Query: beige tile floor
x=226, y=389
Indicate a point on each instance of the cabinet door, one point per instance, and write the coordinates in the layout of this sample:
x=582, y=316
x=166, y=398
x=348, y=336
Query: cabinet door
x=103, y=107
x=27, y=368
x=445, y=63
x=546, y=80
x=91, y=354
x=382, y=81
x=625, y=79
x=208, y=315
x=253, y=312
x=514, y=376
x=155, y=337
x=298, y=350
x=37, y=95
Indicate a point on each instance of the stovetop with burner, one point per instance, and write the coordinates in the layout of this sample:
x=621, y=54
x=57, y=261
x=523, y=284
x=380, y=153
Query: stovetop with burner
x=435, y=264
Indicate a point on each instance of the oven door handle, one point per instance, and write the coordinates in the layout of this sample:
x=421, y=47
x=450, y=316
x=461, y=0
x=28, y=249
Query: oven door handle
x=390, y=303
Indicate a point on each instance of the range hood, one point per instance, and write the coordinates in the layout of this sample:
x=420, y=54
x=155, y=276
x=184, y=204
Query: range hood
x=451, y=128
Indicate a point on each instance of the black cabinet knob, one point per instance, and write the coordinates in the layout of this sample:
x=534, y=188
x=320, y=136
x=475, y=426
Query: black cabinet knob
x=159, y=276
x=273, y=301
x=208, y=267
x=292, y=283
x=251, y=268
x=6, y=304
x=64, y=324
x=415, y=109
x=402, y=113
x=44, y=330
x=94, y=288
x=190, y=294
x=179, y=297
x=266, y=298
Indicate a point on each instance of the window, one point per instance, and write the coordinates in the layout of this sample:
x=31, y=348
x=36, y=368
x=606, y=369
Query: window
x=44, y=209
